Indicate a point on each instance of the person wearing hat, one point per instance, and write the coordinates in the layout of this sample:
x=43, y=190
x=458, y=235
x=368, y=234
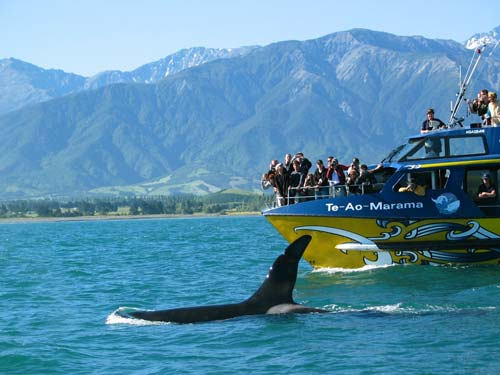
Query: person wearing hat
x=431, y=123
x=487, y=191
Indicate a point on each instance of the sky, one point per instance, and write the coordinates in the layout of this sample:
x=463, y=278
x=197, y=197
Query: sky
x=90, y=36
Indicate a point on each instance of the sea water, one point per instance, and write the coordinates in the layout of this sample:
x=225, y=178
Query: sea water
x=61, y=282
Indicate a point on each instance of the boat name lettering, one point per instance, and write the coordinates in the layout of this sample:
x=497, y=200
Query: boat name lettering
x=379, y=206
x=474, y=131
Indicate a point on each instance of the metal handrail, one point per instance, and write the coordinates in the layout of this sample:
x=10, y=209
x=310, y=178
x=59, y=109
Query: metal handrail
x=332, y=192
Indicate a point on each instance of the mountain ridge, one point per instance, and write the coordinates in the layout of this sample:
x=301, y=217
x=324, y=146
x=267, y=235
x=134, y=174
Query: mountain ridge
x=22, y=83
x=218, y=124
x=26, y=83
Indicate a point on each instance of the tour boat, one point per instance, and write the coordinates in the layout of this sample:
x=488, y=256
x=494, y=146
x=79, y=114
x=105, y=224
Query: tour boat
x=446, y=223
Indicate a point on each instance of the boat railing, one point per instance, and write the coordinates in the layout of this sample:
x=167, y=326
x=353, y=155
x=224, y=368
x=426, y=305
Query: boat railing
x=296, y=195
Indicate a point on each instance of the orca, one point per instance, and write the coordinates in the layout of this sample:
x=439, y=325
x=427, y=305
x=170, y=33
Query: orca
x=273, y=297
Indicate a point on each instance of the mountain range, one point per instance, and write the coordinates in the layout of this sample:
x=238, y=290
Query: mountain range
x=22, y=83
x=206, y=120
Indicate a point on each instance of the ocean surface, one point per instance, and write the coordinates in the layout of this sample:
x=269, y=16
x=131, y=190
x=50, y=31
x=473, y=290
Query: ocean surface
x=61, y=282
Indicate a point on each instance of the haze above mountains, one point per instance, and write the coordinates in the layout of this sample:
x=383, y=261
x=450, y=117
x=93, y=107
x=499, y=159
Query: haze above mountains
x=204, y=119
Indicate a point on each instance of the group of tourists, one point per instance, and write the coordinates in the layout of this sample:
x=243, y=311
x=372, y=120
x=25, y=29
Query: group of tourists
x=486, y=106
x=292, y=180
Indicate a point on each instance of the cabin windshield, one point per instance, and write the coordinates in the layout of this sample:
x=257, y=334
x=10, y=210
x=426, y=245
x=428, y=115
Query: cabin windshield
x=439, y=147
x=396, y=153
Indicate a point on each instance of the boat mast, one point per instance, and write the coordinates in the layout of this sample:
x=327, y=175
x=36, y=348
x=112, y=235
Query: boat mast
x=463, y=85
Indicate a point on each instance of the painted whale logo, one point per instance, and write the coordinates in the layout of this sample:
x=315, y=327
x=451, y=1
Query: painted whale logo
x=447, y=203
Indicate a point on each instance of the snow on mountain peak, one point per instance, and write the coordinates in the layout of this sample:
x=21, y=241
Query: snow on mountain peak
x=481, y=39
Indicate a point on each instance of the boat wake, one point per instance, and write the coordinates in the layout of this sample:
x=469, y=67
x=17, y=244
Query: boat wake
x=335, y=270
x=402, y=309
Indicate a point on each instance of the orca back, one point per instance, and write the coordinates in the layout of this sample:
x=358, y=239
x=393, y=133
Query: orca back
x=276, y=291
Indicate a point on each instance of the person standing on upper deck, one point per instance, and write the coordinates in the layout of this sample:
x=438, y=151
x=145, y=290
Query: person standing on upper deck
x=493, y=109
x=479, y=106
x=431, y=123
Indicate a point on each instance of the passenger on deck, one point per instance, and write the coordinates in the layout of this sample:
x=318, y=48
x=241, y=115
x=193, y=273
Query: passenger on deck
x=366, y=179
x=329, y=168
x=479, y=106
x=336, y=176
x=287, y=165
x=265, y=182
x=493, y=113
x=487, y=191
x=321, y=180
x=295, y=183
x=432, y=145
x=355, y=165
x=309, y=189
x=280, y=185
x=352, y=177
x=272, y=165
x=304, y=164
x=431, y=123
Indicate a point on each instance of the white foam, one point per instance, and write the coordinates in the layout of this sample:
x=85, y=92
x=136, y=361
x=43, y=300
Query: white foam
x=118, y=317
x=399, y=308
x=352, y=270
x=388, y=309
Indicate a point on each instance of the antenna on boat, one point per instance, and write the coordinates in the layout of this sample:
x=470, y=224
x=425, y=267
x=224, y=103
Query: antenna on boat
x=459, y=76
x=463, y=85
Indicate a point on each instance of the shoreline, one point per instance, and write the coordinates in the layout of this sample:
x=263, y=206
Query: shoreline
x=24, y=220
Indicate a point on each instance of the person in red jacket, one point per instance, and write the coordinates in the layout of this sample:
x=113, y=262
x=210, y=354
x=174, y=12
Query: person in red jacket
x=336, y=176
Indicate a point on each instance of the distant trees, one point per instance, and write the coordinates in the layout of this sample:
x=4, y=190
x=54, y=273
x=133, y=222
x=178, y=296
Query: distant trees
x=217, y=203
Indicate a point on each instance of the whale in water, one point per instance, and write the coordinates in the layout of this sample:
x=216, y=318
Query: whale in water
x=273, y=297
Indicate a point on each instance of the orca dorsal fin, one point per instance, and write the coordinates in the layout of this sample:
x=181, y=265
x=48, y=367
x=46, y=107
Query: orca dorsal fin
x=278, y=286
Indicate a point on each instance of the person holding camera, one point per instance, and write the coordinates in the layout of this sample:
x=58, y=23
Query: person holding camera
x=479, y=106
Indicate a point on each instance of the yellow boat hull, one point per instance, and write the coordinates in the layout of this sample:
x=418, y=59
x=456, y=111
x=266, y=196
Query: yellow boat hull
x=335, y=240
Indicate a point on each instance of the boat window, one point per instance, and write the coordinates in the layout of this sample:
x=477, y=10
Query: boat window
x=426, y=148
x=380, y=177
x=420, y=181
x=435, y=147
x=473, y=181
x=399, y=153
x=466, y=146
x=383, y=174
x=396, y=153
